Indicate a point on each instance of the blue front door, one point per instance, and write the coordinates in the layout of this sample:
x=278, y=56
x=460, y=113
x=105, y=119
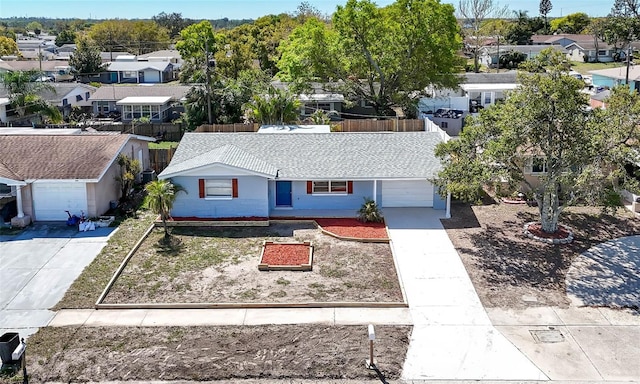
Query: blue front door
x=283, y=193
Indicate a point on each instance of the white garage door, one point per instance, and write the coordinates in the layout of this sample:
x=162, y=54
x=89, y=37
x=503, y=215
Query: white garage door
x=407, y=193
x=51, y=200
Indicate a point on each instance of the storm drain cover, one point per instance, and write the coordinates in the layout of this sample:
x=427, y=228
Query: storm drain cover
x=547, y=336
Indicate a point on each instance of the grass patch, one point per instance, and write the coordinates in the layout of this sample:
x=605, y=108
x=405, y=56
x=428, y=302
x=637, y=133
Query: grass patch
x=163, y=145
x=86, y=289
x=584, y=68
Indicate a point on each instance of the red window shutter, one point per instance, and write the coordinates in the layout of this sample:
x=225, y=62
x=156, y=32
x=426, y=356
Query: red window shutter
x=309, y=187
x=234, y=188
x=201, y=187
x=349, y=187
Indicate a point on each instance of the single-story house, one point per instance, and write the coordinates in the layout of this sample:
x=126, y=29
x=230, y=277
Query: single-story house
x=609, y=78
x=589, y=52
x=110, y=99
x=169, y=55
x=561, y=39
x=52, y=173
x=302, y=175
x=489, y=54
x=68, y=95
x=141, y=72
x=449, y=107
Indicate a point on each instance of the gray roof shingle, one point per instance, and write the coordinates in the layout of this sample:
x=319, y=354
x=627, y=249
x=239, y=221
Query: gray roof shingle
x=119, y=92
x=312, y=155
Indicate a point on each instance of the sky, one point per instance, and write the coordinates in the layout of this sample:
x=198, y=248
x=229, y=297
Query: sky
x=238, y=9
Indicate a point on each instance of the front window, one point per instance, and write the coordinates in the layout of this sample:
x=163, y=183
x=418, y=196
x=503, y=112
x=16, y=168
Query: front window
x=219, y=188
x=602, y=52
x=538, y=165
x=338, y=187
x=129, y=74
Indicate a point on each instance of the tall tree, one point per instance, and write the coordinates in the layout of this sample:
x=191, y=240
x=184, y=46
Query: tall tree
x=377, y=54
x=474, y=13
x=135, y=36
x=66, y=36
x=268, y=32
x=572, y=23
x=8, y=46
x=86, y=59
x=545, y=8
x=545, y=126
x=24, y=95
x=234, y=54
x=173, y=22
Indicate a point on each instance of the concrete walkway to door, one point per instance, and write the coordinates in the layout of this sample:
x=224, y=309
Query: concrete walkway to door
x=452, y=338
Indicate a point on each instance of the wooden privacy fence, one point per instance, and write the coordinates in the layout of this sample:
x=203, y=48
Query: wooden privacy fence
x=159, y=158
x=392, y=125
x=165, y=131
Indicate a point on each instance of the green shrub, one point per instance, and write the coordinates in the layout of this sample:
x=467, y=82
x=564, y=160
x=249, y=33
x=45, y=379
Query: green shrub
x=369, y=212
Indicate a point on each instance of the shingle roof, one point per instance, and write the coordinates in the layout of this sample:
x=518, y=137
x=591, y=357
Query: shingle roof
x=58, y=157
x=313, y=155
x=25, y=65
x=138, y=65
x=490, y=78
x=119, y=92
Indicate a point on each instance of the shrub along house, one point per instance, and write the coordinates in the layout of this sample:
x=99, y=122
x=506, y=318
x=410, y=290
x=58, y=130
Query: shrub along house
x=302, y=175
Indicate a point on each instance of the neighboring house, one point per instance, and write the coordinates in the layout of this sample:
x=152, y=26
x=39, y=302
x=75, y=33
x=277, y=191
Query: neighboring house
x=108, y=57
x=489, y=54
x=325, y=97
x=609, y=78
x=169, y=55
x=52, y=173
x=140, y=72
x=63, y=95
x=476, y=91
x=590, y=53
x=69, y=95
x=112, y=99
x=49, y=68
x=562, y=39
x=302, y=175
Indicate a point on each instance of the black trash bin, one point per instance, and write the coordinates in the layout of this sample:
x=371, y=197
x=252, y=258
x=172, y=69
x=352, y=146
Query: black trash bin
x=148, y=176
x=8, y=343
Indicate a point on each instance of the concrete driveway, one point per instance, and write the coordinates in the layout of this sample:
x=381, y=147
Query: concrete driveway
x=37, y=267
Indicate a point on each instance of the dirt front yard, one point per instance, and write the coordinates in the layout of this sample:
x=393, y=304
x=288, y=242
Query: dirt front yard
x=220, y=265
x=510, y=270
x=292, y=352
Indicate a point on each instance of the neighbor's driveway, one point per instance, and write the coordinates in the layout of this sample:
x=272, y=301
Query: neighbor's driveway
x=36, y=269
x=452, y=337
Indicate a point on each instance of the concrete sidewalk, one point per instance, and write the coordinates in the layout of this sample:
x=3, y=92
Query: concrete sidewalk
x=241, y=316
x=582, y=344
x=452, y=338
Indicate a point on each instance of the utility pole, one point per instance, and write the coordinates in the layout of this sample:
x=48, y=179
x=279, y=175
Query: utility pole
x=208, y=79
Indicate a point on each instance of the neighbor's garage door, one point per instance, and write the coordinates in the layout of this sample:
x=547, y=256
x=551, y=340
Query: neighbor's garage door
x=407, y=193
x=51, y=200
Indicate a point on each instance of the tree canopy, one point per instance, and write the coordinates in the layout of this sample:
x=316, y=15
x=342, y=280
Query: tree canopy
x=135, y=36
x=8, y=46
x=572, y=23
x=380, y=55
x=24, y=95
x=86, y=59
x=544, y=126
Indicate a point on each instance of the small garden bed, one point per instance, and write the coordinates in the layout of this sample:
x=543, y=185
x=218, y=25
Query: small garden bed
x=286, y=256
x=354, y=228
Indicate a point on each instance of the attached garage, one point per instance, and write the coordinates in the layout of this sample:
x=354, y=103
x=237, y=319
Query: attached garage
x=407, y=193
x=52, y=199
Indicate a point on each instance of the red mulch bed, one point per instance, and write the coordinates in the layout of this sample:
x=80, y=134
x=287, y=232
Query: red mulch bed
x=354, y=228
x=285, y=254
x=536, y=230
x=194, y=218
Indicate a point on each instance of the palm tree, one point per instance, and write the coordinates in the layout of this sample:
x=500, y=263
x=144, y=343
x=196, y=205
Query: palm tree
x=276, y=107
x=23, y=94
x=161, y=194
